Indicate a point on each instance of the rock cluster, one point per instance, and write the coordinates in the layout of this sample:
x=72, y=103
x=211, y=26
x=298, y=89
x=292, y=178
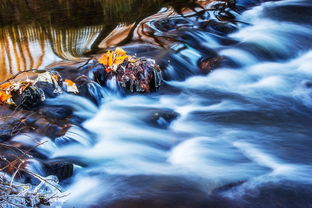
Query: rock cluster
x=29, y=90
x=26, y=106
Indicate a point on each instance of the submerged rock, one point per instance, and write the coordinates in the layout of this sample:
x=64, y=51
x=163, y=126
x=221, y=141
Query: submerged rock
x=62, y=170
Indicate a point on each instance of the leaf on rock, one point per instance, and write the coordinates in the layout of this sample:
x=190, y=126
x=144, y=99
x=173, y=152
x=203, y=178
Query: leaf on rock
x=69, y=82
x=70, y=86
x=6, y=85
x=120, y=51
x=55, y=77
x=119, y=60
x=112, y=59
x=4, y=97
x=104, y=58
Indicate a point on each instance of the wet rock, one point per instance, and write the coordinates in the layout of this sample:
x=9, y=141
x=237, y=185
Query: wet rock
x=131, y=74
x=29, y=89
x=49, y=127
x=229, y=186
x=56, y=112
x=48, y=121
x=161, y=118
x=208, y=64
x=90, y=90
x=23, y=158
x=12, y=122
x=28, y=93
x=308, y=84
x=30, y=98
x=62, y=170
x=95, y=72
x=141, y=76
x=8, y=129
x=12, y=159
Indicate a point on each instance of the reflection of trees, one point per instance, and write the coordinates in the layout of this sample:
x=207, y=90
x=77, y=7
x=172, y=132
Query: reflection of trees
x=34, y=33
x=77, y=13
x=26, y=47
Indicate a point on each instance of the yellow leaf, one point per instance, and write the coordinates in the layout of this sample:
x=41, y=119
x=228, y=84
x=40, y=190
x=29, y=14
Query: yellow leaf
x=120, y=60
x=121, y=57
x=55, y=77
x=110, y=59
x=6, y=85
x=115, y=58
x=120, y=51
x=103, y=59
x=4, y=97
x=69, y=82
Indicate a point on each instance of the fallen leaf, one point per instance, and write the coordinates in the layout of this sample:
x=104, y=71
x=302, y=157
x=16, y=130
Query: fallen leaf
x=103, y=59
x=119, y=60
x=120, y=51
x=55, y=77
x=71, y=86
x=4, y=97
x=69, y=82
x=6, y=85
x=110, y=59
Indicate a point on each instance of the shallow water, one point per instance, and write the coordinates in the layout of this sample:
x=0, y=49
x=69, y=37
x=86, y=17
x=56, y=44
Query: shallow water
x=239, y=136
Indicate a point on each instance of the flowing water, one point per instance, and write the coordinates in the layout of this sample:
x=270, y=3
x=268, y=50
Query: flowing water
x=239, y=136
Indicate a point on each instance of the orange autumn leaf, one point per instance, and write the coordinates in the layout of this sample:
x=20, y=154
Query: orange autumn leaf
x=119, y=60
x=55, y=77
x=4, y=97
x=6, y=85
x=110, y=59
x=69, y=82
x=120, y=51
x=104, y=59
x=121, y=57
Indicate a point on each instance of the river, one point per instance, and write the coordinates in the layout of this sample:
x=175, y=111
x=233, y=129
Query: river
x=237, y=135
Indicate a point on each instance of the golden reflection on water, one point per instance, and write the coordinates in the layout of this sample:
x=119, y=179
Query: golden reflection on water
x=28, y=47
x=36, y=33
